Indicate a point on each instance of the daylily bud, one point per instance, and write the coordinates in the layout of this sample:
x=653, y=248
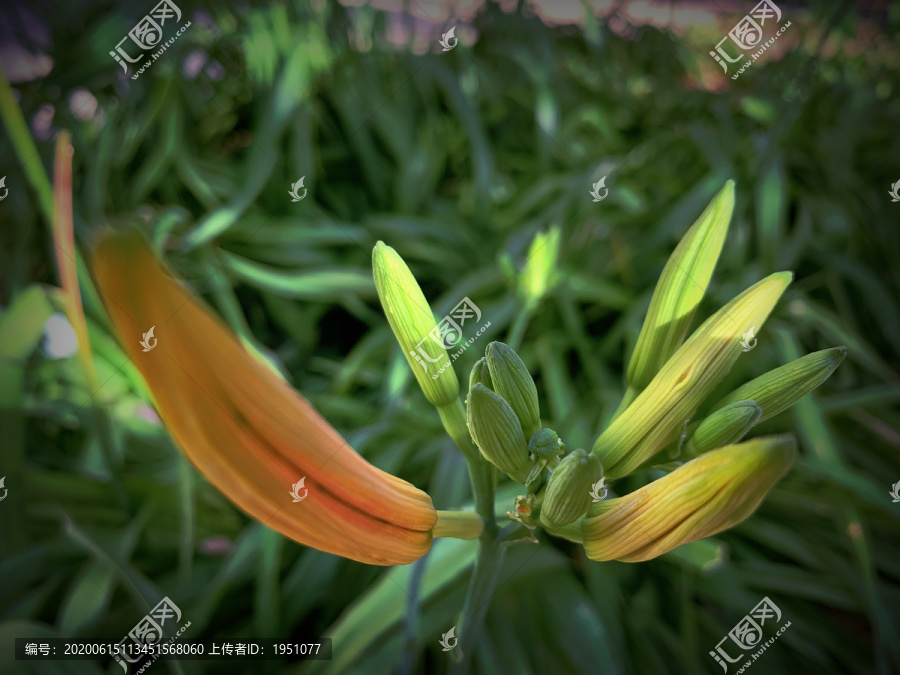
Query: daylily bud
x=568, y=495
x=725, y=426
x=680, y=289
x=539, y=274
x=513, y=382
x=709, y=494
x=411, y=319
x=657, y=415
x=779, y=389
x=545, y=444
x=480, y=374
x=497, y=433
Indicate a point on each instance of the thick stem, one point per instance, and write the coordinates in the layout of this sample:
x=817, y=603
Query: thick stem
x=478, y=597
x=490, y=555
x=458, y=524
x=453, y=417
x=572, y=531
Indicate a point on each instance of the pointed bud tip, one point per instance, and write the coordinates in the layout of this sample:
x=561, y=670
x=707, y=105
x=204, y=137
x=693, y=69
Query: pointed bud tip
x=510, y=378
x=785, y=277
x=480, y=374
x=838, y=354
x=727, y=192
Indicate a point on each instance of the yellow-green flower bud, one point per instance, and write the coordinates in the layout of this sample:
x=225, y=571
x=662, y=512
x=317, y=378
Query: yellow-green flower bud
x=568, y=494
x=680, y=289
x=545, y=444
x=725, y=426
x=513, y=382
x=480, y=374
x=539, y=274
x=496, y=431
x=657, y=415
x=779, y=389
x=705, y=496
x=412, y=321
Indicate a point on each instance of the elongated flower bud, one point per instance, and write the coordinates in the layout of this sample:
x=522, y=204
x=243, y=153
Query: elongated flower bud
x=680, y=289
x=568, y=495
x=480, y=374
x=254, y=437
x=709, y=494
x=658, y=414
x=497, y=433
x=725, y=426
x=413, y=323
x=513, y=382
x=779, y=389
x=539, y=274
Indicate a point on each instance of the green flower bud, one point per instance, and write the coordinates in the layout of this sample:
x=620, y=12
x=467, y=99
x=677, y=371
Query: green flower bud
x=496, y=431
x=539, y=275
x=568, y=494
x=779, y=389
x=707, y=495
x=725, y=426
x=546, y=445
x=680, y=289
x=480, y=374
x=657, y=415
x=513, y=382
x=412, y=320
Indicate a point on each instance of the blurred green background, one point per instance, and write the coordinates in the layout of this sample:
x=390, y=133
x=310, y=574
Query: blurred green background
x=456, y=159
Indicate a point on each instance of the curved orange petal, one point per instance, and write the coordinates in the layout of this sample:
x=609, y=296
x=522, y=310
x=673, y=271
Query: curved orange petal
x=248, y=431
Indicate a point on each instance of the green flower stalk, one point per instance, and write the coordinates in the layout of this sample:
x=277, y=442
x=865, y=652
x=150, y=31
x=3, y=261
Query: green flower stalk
x=412, y=322
x=725, y=426
x=659, y=412
x=781, y=388
x=709, y=494
x=497, y=432
x=513, y=382
x=680, y=289
x=568, y=494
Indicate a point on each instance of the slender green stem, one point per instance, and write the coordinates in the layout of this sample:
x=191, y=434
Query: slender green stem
x=411, y=629
x=572, y=531
x=490, y=554
x=514, y=339
x=478, y=595
x=24, y=147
